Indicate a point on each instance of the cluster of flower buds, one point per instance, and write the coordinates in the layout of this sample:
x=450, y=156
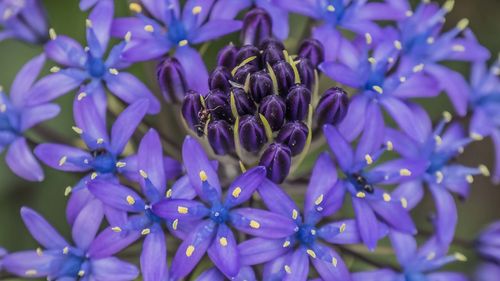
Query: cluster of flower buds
x=261, y=103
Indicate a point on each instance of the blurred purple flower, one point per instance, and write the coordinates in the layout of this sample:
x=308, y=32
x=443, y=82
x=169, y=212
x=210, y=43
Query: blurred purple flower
x=3, y=253
x=89, y=69
x=488, y=243
x=289, y=258
x=213, y=274
x=23, y=19
x=101, y=160
x=212, y=232
x=16, y=116
x=168, y=29
x=487, y=272
x=90, y=258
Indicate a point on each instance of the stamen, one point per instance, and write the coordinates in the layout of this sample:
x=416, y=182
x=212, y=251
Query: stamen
x=288, y=270
x=448, y=5
x=223, y=241
x=128, y=36
x=88, y=23
x=361, y=194
x=169, y=193
x=175, y=223
x=484, y=170
x=342, y=228
x=295, y=214
x=387, y=197
x=378, y=89
x=404, y=202
x=438, y=140
x=120, y=164
x=113, y=71
x=469, y=178
x=458, y=48
x=52, y=34
x=130, y=200
x=143, y=174
x=134, y=7
x=430, y=40
x=431, y=256
x=81, y=273
x=418, y=68
x=398, y=45
x=439, y=177
x=236, y=192
x=100, y=140
x=93, y=176
x=81, y=96
x=189, y=250
x=369, y=159
x=372, y=60
x=460, y=257
x=182, y=210
x=145, y=231
x=286, y=244
x=62, y=160
x=311, y=253
x=31, y=272
x=409, y=13
x=196, y=10
x=149, y=28
x=476, y=136
x=203, y=176
x=65, y=250
x=462, y=24
x=254, y=224
x=334, y=262
x=39, y=252
x=67, y=190
x=368, y=38
x=447, y=116
x=116, y=229
x=330, y=8
x=183, y=43
x=319, y=200
x=3, y=107
x=55, y=69
x=389, y=145
x=405, y=172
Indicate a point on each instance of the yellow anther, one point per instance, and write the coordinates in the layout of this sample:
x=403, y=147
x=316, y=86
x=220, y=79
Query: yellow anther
x=438, y=140
x=113, y=71
x=128, y=36
x=295, y=214
x=196, y=10
x=460, y=257
x=368, y=38
x=100, y=140
x=288, y=270
x=120, y=164
x=342, y=228
x=311, y=253
x=405, y=172
x=3, y=107
x=398, y=45
x=55, y=69
x=387, y=197
x=65, y=250
x=408, y=13
x=462, y=24
x=286, y=243
x=430, y=40
x=330, y=8
x=223, y=241
x=368, y=159
x=39, y=252
x=319, y=199
x=378, y=89
x=88, y=23
x=389, y=145
x=418, y=68
x=93, y=176
x=175, y=223
x=476, y=136
x=182, y=210
x=334, y=261
x=116, y=229
x=431, y=256
x=361, y=194
x=81, y=96
x=469, y=178
x=447, y=116
x=439, y=177
x=145, y=231
x=372, y=60
x=458, y=48
x=67, y=190
x=134, y=7
x=143, y=174
x=77, y=130
x=189, y=250
x=404, y=202
x=484, y=170
x=183, y=43
x=448, y=5
x=254, y=224
x=169, y=193
x=130, y=200
x=81, y=273
x=63, y=160
x=52, y=34
x=236, y=192
x=31, y=272
x=149, y=28
x=203, y=176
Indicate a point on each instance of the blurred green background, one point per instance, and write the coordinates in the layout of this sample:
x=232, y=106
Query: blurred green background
x=48, y=197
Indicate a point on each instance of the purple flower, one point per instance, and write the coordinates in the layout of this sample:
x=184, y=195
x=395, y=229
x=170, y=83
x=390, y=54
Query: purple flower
x=88, y=67
x=16, y=117
x=90, y=258
x=102, y=158
x=213, y=274
x=288, y=258
x=25, y=20
x=213, y=219
x=417, y=264
x=441, y=175
x=487, y=272
x=3, y=253
x=229, y=9
x=371, y=203
x=488, y=243
x=168, y=29
x=144, y=220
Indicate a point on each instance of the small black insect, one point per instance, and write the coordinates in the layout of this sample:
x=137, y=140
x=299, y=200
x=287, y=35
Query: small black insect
x=361, y=182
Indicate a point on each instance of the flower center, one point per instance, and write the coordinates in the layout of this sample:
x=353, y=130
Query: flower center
x=219, y=214
x=104, y=162
x=360, y=183
x=151, y=216
x=71, y=266
x=176, y=31
x=306, y=234
x=95, y=67
x=414, y=277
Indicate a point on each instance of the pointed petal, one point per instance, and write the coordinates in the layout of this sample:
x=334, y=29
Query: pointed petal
x=262, y=223
x=277, y=200
x=22, y=162
x=116, y=195
x=403, y=116
x=66, y=51
x=150, y=157
x=109, y=242
x=34, y=115
x=260, y=250
x=113, y=269
x=224, y=253
x=228, y=9
x=496, y=141
x=88, y=119
x=181, y=209
x=215, y=29
x=394, y=214
x=401, y=143
x=454, y=84
x=46, y=90
x=298, y=266
x=412, y=192
x=373, y=133
x=28, y=263
x=194, y=67
x=446, y=214
x=25, y=78
x=367, y=222
x=212, y=274
x=77, y=200
x=131, y=90
x=447, y=276
x=404, y=246
x=353, y=123
x=101, y=18
x=144, y=50
x=339, y=146
x=87, y=224
x=244, y=186
x=51, y=155
x=375, y=275
x=323, y=179
x=126, y=123
x=182, y=189
x=41, y=230
x=328, y=36
x=341, y=73
x=340, y=232
x=154, y=256
x=329, y=264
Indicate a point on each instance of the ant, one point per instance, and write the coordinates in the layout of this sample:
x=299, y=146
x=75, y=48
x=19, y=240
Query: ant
x=204, y=116
x=361, y=182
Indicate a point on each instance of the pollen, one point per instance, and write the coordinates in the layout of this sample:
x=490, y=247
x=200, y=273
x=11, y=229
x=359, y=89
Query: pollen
x=39, y=252
x=389, y=145
x=113, y=71
x=398, y=45
x=52, y=34
x=448, y=5
x=372, y=60
x=55, y=69
x=286, y=243
x=182, y=210
x=476, y=136
x=254, y=224
x=288, y=269
x=469, y=178
x=404, y=202
x=183, y=43
x=431, y=256
x=439, y=177
x=369, y=159
x=100, y=140
x=236, y=192
x=295, y=214
x=458, y=48
x=342, y=228
x=223, y=241
x=311, y=253
x=368, y=38
x=128, y=36
x=330, y=8
x=120, y=164
x=462, y=24
x=408, y=13
x=169, y=193
x=145, y=231
x=361, y=194
x=196, y=10
x=387, y=197
x=430, y=40
x=81, y=96
x=189, y=250
x=334, y=261
x=31, y=272
x=175, y=223
x=378, y=89
x=130, y=200
x=134, y=7
x=319, y=199
x=81, y=273
x=93, y=176
x=460, y=257
x=203, y=176
x=447, y=116
x=65, y=250
x=143, y=174
x=63, y=160
x=88, y=23
x=484, y=170
x=438, y=140
x=149, y=28
x=405, y=172
x=116, y=229
x=418, y=68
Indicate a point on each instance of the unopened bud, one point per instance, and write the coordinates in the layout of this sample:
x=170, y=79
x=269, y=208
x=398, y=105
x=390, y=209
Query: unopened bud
x=257, y=26
x=227, y=56
x=252, y=134
x=274, y=109
x=332, y=107
x=313, y=50
x=261, y=86
x=297, y=102
x=219, y=79
x=284, y=76
x=244, y=105
x=172, y=80
x=191, y=108
x=242, y=73
x=220, y=137
x=294, y=135
x=277, y=160
x=217, y=104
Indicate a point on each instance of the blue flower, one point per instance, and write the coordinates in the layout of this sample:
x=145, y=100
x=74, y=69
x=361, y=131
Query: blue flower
x=25, y=20
x=168, y=29
x=102, y=158
x=487, y=272
x=213, y=219
x=16, y=117
x=88, y=67
x=213, y=274
x=487, y=244
x=289, y=258
x=90, y=258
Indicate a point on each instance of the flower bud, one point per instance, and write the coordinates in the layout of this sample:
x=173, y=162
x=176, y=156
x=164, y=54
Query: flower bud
x=220, y=137
x=273, y=108
x=272, y=42
x=241, y=74
x=227, y=56
x=217, y=104
x=172, y=80
x=294, y=135
x=246, y=52
x=272, y=55
x=277, y=159
x=252, y=134
x=297, y=102
x=306, y=72
x=244, y=105
x=284, y=75
x=261, y=86
x=257, y=26
x=191, y=108
x=219, y=79
x=313, y=50
x=332, y=107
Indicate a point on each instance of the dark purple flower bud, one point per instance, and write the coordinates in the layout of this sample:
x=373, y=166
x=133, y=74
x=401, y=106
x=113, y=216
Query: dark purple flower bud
x=241, y=74
x=313, y=50
x=227, y=56
x=219, y=79
x=172, y=80
x=261, y=86
x=220, y=137
x=244, y=105
x=246, y=52
x=332, y=107
x=297, y=102
x=293, y=134
x=272, y=55
x=272, y=42
x=277, y=159
x=306, y=72
x=217, y=104
x=273, y=108
x=257, y=26
x=191, y=108
x=284, y=75
x=252, y=133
